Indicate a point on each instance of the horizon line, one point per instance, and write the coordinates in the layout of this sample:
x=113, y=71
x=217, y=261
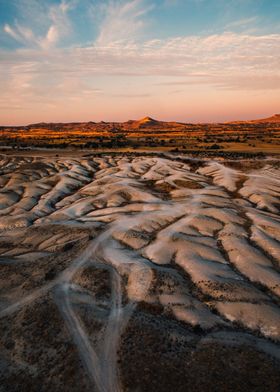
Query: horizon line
x=145, y=117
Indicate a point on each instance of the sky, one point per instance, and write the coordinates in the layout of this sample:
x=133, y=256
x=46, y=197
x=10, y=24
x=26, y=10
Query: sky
x=115, y=60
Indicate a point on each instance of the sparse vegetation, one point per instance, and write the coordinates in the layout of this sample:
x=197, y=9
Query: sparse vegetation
x=147, y=134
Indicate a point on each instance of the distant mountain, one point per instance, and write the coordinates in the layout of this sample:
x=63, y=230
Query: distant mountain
x=272, y=119
x=144, y=123
x=148, y=122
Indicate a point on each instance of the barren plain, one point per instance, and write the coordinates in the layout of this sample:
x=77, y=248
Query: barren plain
x=256, y=136
x=134, y=272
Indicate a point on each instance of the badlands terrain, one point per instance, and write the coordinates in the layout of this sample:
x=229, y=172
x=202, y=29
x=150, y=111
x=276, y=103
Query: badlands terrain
x=130, y=272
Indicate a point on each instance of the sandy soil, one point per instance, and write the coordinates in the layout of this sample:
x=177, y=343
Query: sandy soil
x=139, y=273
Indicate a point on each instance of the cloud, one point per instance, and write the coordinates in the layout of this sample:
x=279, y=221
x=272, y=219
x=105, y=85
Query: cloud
x=229, y=82
x=122, y=21
x=51, y=37
x=61, y=25
x=20, y=33
x=240, y=23
x=146, y=95
x=8, y=29
x=58, y=27
x=218, y=60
